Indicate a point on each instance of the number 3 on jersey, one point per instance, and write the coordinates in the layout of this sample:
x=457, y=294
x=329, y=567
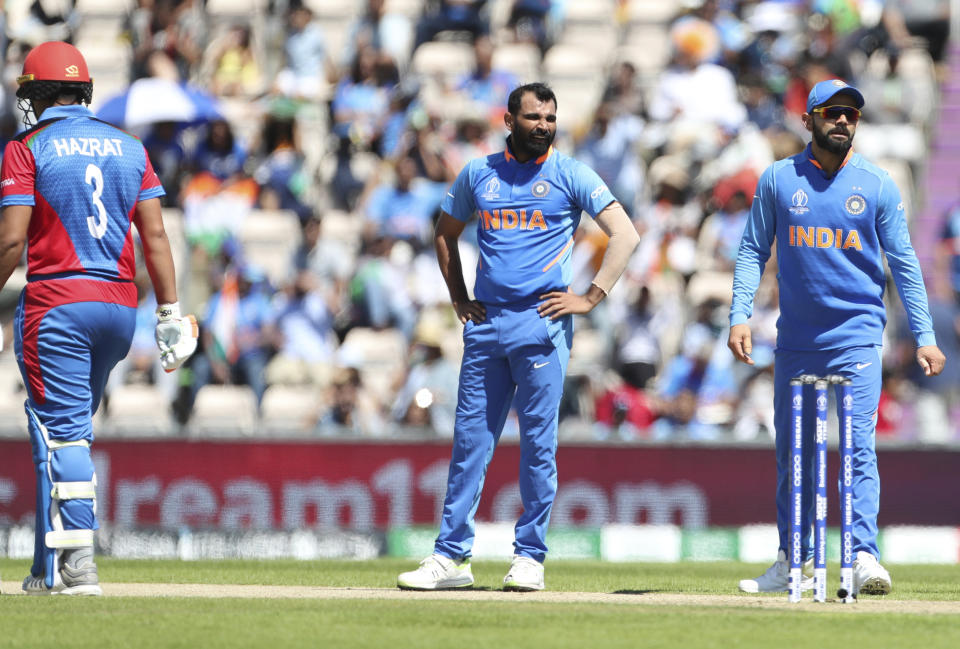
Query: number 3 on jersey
x=96, y=224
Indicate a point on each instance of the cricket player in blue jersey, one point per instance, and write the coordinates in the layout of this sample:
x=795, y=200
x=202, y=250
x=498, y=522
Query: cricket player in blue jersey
x=833, y=216
x=71, y=187
x=528, y=200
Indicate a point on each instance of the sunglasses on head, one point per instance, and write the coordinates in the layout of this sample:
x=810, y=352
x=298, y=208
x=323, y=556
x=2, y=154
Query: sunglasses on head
x=833, y=113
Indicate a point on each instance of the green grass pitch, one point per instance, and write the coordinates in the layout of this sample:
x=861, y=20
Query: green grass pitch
x=923, y=611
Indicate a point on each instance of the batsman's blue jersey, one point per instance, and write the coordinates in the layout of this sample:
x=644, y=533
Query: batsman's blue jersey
x=831, y=233
x=527, y=216
x=77, y=173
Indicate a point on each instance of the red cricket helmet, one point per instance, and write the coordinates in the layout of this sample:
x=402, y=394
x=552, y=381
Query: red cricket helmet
x=54, y=61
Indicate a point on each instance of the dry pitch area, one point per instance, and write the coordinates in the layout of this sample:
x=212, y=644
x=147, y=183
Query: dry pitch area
x=219, y=591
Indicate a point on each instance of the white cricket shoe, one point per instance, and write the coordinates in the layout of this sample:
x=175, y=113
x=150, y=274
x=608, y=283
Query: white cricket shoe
x=437, y=572
x=869, y=576
x=77, y=576
x=777, y=577
x=525, y=575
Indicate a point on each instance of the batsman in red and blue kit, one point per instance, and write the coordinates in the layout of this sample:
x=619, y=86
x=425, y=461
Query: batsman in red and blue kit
x=527, y=201
x=833, y=216
x=71, y=187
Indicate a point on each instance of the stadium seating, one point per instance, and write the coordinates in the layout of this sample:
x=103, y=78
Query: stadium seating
x=443, y=60
x=289, y=411
x=269, y=239
x=224, y=411
x=126, y=413
x=380, y=356
x=522, y=59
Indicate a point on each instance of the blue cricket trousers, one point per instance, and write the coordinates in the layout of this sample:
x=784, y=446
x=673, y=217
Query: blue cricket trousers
x=514, y=356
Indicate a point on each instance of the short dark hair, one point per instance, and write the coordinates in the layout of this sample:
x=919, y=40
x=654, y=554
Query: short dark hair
x=53, y=90
x=542, y=91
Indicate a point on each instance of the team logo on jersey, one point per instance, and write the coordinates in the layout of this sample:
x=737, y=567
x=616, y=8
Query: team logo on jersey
x=540, y=189
x=491, y=189
x=799, y=202
x=71, y=71
x=856, y=204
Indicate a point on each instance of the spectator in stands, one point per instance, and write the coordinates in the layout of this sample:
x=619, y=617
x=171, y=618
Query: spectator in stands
x=637, y=352
x=46, y=21
x=306, y=65
x=304, y=321
x=928, y=20
x=720, y=232
x=362, y=98
x=352, y=410
x=667, y=227
x=404, y=104
x=623, y=90
x=238, y=334
x=948, y=255
x=235, y=69
x=220, y=152
x=610, y=148
x=328, y=259
x=473, y=138
x=486, y=88
x=693, y=93
x=386, y=32
x=378, y=288
x=623, y=411
x=170, y=30
x=426, y=143
x=452, y=15
x=754, y=411
x=901, y=98
x=280, y=174
x=532, y=22
x=763, y=109
x=163, y=145
x=428, y=397
x=696, y=391
x=403, y=207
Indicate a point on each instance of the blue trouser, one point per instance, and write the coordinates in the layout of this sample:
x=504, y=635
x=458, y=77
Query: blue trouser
x=65, y=353
x=513, y=356
x=863, y=366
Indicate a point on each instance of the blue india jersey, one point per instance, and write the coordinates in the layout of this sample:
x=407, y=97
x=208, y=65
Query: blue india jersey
x=527, y=214
x=831, y=234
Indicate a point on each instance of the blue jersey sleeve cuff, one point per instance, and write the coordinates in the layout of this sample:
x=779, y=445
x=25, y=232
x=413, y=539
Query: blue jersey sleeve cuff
x=153, y=192
x=17, y=199
x=738, y=318
x=925, y=339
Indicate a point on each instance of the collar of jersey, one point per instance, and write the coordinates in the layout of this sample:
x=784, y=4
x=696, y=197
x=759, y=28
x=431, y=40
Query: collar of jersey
x=816, y=164
x=74, y=110
x=511, y=158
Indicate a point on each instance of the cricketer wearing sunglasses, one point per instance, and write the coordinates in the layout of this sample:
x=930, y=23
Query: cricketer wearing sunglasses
x=833, y=216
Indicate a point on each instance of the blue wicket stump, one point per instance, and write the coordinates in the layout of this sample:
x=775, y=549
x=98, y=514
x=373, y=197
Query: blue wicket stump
x=844, y=391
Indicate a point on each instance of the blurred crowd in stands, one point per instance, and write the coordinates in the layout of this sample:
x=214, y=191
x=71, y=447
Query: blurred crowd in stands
x=302, y=211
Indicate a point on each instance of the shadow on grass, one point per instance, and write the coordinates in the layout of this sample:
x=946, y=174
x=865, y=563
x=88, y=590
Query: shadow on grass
x=636, y=592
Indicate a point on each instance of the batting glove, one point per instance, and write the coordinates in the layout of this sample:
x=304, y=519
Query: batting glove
x=176, y=336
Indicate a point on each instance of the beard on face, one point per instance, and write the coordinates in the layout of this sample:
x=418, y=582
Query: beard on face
x=523, y=143
x=824, y=141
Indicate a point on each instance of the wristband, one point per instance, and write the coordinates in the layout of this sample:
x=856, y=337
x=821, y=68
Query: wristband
x=167, y=312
